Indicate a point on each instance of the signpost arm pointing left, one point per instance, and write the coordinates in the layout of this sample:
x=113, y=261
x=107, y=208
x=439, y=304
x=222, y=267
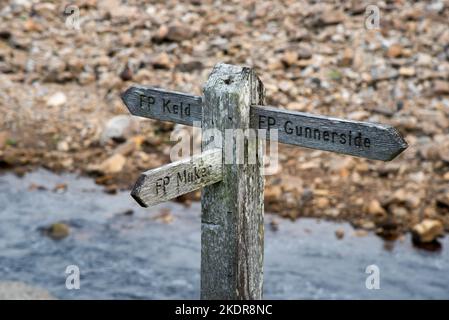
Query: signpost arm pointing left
x=178, y=178
x=163, y=105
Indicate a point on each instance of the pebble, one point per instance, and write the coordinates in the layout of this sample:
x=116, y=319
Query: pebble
x=427, y=230
x=57, y=231
x=394, y=51
x=119, y=128
x=111, y=165
x=441, y=87
x=407, y=71
x=339, y=234
x=57, y=100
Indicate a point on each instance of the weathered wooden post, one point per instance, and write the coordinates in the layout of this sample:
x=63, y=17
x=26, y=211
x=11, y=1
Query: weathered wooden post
x=232, y=198
x=232, y=229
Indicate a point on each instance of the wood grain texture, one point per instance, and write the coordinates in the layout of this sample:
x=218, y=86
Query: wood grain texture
x=163, y=105
x=178, y=178
x=232, y=228
x=361, y=139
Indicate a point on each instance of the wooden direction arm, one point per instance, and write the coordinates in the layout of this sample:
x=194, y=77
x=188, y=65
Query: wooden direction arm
x=356, y=138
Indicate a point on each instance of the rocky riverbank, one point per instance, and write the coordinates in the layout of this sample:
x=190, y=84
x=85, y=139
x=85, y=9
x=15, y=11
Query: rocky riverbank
x=15, y=290
x=60, y=94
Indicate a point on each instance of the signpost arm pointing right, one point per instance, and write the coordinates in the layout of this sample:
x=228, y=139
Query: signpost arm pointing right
x=361, y=139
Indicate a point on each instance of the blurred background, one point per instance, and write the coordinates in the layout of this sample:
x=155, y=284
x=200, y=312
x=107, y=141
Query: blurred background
x=70, y=151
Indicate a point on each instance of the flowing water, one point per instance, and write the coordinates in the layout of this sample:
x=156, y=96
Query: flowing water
x=146, y=256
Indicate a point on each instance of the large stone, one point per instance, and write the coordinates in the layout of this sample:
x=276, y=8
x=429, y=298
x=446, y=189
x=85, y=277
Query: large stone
x=119, y=128
x=427, y=231
x=57, y=231
x=375, y=209
x=111, y=165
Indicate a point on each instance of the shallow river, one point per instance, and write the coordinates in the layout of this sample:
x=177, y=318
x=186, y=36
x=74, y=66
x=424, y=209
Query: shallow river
x=141, y=256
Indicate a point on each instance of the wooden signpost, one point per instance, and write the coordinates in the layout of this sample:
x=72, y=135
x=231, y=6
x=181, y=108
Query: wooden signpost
x=232, y=227
x=178, y=178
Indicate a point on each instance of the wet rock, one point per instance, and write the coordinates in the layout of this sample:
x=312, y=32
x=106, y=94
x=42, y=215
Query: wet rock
x=119, y=128
x=57, y=231
x=388, y=229
x=57, y=100
x=38, y=187
x=60, y=188
x=339, y=234
x=360, y=233
x=398, y=211
x=111, y=165
x=427, y=230
x=164, y=216
x=375, y=209
x=367, y=225
x=111, y=189
x=128, y=212
x=274, y=224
